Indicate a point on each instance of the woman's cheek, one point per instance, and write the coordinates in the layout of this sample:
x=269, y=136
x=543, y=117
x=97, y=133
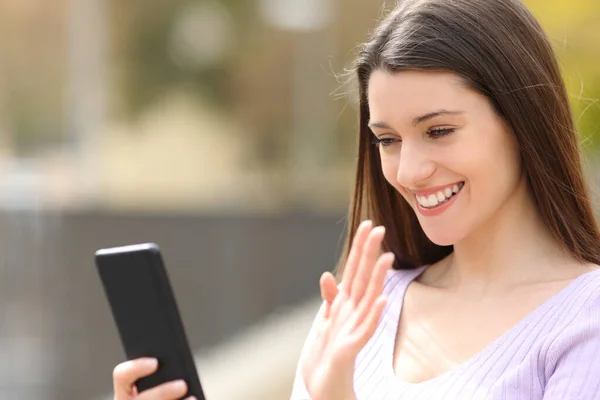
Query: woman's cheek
x=390, y=170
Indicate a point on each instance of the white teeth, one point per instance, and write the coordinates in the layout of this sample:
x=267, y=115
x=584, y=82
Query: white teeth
x=440, y=197
x=433, y=201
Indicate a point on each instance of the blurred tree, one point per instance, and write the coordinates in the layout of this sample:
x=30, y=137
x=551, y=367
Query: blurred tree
x=31, y=72
x=252, y=75
x=165, y=44
x=224, y=52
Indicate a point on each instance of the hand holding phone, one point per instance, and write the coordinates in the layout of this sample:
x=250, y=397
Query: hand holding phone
x=145, y=311
x=127, y=373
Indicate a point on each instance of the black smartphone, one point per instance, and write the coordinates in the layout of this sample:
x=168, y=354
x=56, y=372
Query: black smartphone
x=143, y=305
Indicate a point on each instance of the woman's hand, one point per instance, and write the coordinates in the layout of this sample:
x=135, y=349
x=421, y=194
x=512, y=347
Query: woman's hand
x=126, y=374
x=348, y=317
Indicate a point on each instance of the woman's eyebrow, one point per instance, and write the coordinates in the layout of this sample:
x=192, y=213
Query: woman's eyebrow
x=418, y=120
x=381, y=125
x=428, y=116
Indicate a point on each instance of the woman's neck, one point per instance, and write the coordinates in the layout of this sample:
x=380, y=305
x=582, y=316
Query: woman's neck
x=514, y=247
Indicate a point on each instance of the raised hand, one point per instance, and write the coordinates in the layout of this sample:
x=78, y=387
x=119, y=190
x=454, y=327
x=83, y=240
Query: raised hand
x=348, y=317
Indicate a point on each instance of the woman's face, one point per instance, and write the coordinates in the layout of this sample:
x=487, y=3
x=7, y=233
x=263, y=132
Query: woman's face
x=443, y=147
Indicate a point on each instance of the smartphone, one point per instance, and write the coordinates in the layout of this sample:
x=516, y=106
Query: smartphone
x=143, y=305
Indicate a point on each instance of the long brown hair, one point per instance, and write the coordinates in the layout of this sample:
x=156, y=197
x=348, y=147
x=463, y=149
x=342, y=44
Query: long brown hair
x=499, y=49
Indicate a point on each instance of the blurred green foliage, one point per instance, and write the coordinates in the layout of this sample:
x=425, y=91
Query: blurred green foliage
x=574, y=31
x=149, y=69
x=144, y=42
x=252, y=79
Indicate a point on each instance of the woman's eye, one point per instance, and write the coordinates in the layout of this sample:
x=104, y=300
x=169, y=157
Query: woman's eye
x=383, y=142
x=439, y=132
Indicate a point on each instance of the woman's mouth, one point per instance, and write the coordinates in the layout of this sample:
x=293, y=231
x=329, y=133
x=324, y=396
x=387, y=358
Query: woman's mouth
x=439, y=198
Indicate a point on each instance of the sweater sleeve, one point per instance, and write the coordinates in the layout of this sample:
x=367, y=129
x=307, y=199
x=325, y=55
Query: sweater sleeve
x=299, y=390
x=573, y=360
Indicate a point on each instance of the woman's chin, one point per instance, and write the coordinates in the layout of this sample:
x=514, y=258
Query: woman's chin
x=442, y=237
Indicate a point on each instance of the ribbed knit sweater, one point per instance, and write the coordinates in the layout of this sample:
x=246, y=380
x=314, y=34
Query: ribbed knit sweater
x=551, y=354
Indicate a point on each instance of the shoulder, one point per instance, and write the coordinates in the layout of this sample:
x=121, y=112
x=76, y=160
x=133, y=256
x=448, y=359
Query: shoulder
x=587, y=293
x=571, y=361
x=581, y=300
x=577, y=317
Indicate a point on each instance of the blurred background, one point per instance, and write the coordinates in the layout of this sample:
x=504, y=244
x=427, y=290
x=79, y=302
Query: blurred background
x=224, y=131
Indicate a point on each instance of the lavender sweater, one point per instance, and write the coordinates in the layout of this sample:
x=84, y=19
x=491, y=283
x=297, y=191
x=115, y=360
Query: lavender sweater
x=551, y=354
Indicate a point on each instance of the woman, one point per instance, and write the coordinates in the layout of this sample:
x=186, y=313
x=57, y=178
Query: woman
x=468, y=157
x=486, y=284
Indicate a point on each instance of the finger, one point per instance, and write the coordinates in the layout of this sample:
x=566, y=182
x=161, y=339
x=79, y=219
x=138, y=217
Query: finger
x=375, y=286
x=127, y=373
x=174, y=390
x=329, y=325
x=369, y=325
x=337, y=305
x=369, y=257
x=329, y=290
x=320, y=326
x=355, y=254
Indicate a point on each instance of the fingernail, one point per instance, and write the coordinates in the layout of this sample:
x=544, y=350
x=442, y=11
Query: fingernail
x=366, y=223
x=390, y=258
x=151, y=362
x=179, y=384
x=191, y=398
x=380, y=228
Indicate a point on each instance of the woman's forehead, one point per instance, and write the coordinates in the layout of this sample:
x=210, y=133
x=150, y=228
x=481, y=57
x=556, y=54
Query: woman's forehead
x=412, y=82
x=413, y=93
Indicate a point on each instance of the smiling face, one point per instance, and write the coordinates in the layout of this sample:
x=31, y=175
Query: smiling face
x=445, y=149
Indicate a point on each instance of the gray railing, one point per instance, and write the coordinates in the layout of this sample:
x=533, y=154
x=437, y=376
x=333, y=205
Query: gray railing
x=58, y=340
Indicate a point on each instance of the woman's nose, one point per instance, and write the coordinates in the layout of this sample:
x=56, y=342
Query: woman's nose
x=415, y=166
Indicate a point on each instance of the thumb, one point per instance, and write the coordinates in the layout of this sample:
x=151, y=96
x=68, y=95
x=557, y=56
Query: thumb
x=329, y=291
